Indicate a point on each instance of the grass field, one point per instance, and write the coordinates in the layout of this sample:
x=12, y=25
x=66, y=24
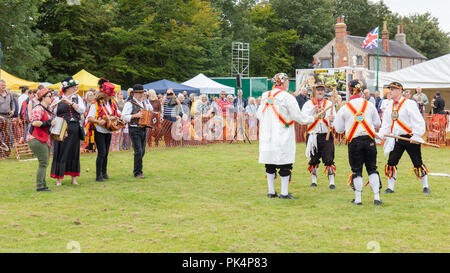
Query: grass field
x=213, y=199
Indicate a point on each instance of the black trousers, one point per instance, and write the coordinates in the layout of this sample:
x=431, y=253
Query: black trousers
x=325, y=150
x=103, y=141
x=362, y=151
x=413, y=150
x=138, y=139
x=285, y=170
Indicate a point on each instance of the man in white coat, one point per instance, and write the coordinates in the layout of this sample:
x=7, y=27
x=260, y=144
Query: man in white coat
x=404, y=119
x=276, y=115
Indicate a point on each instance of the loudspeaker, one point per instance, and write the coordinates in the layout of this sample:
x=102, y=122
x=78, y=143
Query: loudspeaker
x=238, y=81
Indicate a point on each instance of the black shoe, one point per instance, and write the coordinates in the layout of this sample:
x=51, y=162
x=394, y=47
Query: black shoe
x=313, y=185
x=105, y=176
x=289, y=196
x=270, y=195
x=353, y=202
x=388, y=191
x=332, y=187
x=99, y=179
x=43, y=189
x=377, y=202
x=426, y=190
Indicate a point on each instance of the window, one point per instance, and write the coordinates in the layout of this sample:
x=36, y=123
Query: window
x=359, y=60
x=325, y=63
x=399, y=64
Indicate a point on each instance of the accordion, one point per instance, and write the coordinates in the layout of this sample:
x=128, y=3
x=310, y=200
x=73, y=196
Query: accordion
x=149, y=119
x=113, y=123
x=58, y=132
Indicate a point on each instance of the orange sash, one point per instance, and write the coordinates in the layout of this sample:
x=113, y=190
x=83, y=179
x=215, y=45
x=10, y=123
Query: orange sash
x=400, y=123
x=314, y=124
x=359, y=119
x=269, y=103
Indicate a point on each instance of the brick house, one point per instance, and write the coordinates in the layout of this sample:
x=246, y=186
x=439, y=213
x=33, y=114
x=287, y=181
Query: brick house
x=347, y=51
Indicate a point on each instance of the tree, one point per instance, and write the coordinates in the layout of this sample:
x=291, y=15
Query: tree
x=24, y=49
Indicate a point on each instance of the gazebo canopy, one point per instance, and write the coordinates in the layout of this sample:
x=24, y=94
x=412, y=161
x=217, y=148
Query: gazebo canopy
x=13, y=82
x=162, y=86
x=208, y=86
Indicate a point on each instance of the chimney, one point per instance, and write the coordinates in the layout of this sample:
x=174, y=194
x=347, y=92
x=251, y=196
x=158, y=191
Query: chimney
x=400, y=36
x=341, y=48
x=385, y=37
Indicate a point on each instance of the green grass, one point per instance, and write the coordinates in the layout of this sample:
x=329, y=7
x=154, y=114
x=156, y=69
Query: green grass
x=213, y=199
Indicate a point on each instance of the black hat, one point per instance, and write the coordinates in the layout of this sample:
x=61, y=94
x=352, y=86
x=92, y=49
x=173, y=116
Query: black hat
x=396, y=85
x=68, y=82
x=355, y=86
x=138, y=88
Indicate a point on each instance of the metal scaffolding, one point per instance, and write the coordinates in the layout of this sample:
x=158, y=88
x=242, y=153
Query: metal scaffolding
x=240, y=59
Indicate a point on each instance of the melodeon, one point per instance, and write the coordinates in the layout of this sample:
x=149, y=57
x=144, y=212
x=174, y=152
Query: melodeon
x=113, y=123
x=58, y=132
x=149, y=119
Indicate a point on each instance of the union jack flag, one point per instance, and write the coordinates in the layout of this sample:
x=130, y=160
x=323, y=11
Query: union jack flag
x=371, y=40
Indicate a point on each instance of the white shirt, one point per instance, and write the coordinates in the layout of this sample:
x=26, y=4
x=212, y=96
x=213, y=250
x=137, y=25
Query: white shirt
x=276, y=141
x=321, y=127
x=409, y=115
x=92, y=112
x=81, y=107
x=385, y=103
x=20, y=100
x=128, y=108
x=345, y=118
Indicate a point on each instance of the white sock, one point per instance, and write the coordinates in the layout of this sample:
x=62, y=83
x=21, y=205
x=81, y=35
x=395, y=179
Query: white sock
x=284, y=185
x=314, y=179
x=391, y=182
x=358, y=183
x=425, y=181
x=331, y=179
x=374, y=181
x=270, y=182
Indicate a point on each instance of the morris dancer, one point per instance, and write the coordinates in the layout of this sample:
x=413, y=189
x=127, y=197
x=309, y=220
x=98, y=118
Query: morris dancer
x=317, y=146
x=403, y=119
x=358, y=119
x=103, y=105
x=132, y=113
x=66, y=154
x=277, y=147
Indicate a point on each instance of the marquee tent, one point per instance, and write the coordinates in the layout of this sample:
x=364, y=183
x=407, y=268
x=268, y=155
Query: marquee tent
x=434, y=73
x=86, y=80
x=208, y=86
x=162, y=86
x=13, y=82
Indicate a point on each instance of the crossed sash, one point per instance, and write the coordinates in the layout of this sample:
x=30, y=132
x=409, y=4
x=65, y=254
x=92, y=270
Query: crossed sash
x=395, y=115
x=314, y=124
x=269, y=103
x=359, y=119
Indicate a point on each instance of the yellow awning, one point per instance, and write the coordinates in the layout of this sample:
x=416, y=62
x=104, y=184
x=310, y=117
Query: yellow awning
x=13, y=82
x=86, y=81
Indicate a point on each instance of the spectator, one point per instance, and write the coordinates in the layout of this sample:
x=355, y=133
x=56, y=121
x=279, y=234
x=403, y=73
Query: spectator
x=89, y=98
x=302, y=97
x=169, y=102
x=378, y=101
x=32, y=102
x=183, y=110
x=223, y=103
x=386, y=102
x=368, y=97
x=240, y=103
x=195, y=100
x=251, y=108
x=421, y=99
x=229, y=108
x=438, y=104
x=258, y=101
x=186, y=100
x=120, y=102
x=25, y=90
x=153, y=100
x=203, y=106
x=7, y=105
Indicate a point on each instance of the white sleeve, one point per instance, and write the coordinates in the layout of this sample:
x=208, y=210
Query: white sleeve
x=126, y=111
x=339, y=121
x=375, y=117
x=81, y=107
x=308, y=109
x=295, y=112
x=417, y=121
x=92, y=110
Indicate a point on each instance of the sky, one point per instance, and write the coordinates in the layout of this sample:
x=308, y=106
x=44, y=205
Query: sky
x=438, y=8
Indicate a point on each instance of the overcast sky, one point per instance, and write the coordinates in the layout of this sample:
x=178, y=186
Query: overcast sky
x=438, y=8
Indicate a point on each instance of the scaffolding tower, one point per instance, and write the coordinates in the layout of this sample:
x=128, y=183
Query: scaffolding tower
x=240, y=59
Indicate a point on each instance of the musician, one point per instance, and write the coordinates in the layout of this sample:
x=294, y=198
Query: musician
x=403, y=119
x=277, y=147
x=103, y=106
x=317, y=146
x=358, y=119
x=132, y=113
x=66, y=154
x=38, y=137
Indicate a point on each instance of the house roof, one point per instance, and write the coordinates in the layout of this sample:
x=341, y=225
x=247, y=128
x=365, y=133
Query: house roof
x=396, y=48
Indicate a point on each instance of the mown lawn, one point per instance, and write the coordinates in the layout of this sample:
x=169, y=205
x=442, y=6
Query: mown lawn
x=213, y=199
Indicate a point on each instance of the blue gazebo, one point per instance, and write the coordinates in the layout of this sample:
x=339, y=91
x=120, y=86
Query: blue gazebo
x=161, y=87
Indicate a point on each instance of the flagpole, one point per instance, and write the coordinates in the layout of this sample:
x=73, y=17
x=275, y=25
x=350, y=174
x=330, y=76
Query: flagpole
x=378, y=55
